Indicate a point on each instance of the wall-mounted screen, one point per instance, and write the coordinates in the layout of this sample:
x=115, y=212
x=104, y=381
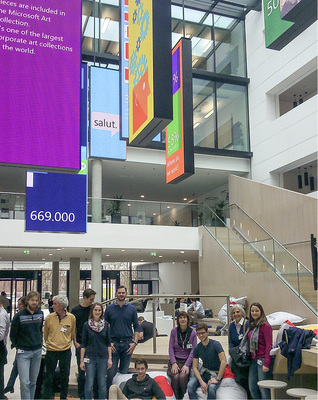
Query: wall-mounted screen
x=56, y=202
x=40, y=50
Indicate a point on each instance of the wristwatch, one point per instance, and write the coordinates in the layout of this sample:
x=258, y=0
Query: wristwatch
x=217, y=378
x=135, y=342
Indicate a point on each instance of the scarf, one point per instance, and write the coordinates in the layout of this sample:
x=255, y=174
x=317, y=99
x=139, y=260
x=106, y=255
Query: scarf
x=96, y=326
x=254, y=340
x=183, y=337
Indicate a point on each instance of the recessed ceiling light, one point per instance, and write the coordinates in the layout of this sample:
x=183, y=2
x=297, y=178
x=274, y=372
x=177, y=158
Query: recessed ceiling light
x=43, y=259
x=142, y=260
x=107, y=255
x=160, y=256
x=154, y=213
x=182, y=251
x=58, y=249
x=196, y=125
x=168, y=206
x=123, y=250
x=185, y=199
x=185, y=261
x=128, y=205
x=50, y=254
x=142, y=196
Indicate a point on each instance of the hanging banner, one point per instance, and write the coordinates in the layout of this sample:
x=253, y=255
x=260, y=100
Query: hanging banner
x=150, y=98
x=40, y=83
x=105, y=139
x=179, y=133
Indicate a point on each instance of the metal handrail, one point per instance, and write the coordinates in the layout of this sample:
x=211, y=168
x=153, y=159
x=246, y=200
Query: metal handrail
x=271, y=236
x=173, y=297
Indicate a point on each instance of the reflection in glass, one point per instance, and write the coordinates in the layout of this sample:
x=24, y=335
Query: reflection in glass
x=232, y=117
x=203, y=113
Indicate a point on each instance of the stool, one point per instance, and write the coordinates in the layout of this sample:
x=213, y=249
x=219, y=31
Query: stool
x=272, y=385
x=312, y=397
x=301, y=392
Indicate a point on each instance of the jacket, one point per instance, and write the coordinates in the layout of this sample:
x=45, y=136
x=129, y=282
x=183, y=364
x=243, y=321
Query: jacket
x=145, y=389
x=294, y=340
x=26, y=330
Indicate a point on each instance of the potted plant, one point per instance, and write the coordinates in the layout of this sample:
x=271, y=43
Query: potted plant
x=114, y=209
x=218, y=209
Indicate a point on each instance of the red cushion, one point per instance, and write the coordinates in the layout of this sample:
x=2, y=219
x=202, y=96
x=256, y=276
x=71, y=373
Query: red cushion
x=228, y=373
x=164, y=385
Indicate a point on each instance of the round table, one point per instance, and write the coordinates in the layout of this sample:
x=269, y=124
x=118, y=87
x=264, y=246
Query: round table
x=301, y=392
x=272, y=385
x=312, y=397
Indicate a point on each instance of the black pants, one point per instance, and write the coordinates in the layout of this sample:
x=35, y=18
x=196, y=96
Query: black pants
x=51, y=359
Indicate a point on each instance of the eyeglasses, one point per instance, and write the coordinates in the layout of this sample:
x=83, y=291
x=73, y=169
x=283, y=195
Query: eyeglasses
x=201, y=333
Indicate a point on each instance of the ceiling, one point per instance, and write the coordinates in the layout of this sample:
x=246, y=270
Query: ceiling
x=108, y=255
x=133, y=179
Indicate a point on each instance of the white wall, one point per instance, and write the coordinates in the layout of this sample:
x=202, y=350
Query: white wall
x=174, y=278
x=277, y=141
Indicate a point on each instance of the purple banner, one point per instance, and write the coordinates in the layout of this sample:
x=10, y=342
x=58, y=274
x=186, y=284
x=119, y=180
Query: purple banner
x=40, y=50
x=176, y=71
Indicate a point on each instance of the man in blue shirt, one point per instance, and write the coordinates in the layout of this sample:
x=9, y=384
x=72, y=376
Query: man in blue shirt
x=121, y=317
x=214, y=363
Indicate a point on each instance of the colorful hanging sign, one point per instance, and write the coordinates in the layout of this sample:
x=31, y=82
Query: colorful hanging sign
x=179, y=133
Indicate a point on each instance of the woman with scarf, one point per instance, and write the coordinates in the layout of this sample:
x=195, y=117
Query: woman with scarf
x=96, y=354
x=260, y=336
x=183, y=340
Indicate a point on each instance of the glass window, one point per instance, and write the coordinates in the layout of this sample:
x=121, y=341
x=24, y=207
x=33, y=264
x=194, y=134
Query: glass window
x=204, y=113
x=232, y=122
x=100, y=26
x=229, y=47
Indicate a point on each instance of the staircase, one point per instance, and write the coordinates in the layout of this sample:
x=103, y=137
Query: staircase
x=253, y=249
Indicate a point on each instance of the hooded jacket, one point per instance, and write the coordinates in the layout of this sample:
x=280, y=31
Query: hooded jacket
x=145, y=389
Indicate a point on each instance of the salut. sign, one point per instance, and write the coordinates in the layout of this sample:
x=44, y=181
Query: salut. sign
x=105, y=122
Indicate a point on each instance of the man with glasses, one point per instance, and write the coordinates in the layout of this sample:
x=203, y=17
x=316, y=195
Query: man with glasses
x=214, y=363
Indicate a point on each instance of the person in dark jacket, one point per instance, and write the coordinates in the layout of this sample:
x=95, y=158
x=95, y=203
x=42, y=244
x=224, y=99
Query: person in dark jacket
x=26, y=337
x=96, y=352
x=14, y=372
x=140, y=386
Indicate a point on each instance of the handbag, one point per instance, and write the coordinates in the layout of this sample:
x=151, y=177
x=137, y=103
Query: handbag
x=241, y=355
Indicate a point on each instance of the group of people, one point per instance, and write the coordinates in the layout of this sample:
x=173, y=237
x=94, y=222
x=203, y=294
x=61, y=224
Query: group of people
x=106, y=340
x=185, y=353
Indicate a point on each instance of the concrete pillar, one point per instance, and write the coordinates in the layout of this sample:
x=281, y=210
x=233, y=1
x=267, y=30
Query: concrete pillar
x=194, y=277
x=55, y=277
x=96, y=166
x=73, y=300
x=96, y=273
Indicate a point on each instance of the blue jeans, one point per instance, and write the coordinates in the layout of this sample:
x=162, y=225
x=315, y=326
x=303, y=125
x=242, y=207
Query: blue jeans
x=120, y=356
x=193, y=385
x=97, y=367
x=256, y=374
x=29, y=363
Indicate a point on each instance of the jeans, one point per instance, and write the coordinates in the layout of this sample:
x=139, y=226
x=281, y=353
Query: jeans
x=81, y=376
x=256, y=374
x=97, y=367
x=121, y=356
x=51, y=359
x=13, y=376
x=29, y=363
x=194, y=384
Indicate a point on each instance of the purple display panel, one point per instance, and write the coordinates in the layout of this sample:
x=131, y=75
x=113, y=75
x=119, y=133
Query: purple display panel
x=176, y=71
x=40, y=50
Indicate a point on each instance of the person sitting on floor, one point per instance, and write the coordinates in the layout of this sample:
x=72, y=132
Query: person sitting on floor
x=196, y=311
x=146, y=330
x=140, y=386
